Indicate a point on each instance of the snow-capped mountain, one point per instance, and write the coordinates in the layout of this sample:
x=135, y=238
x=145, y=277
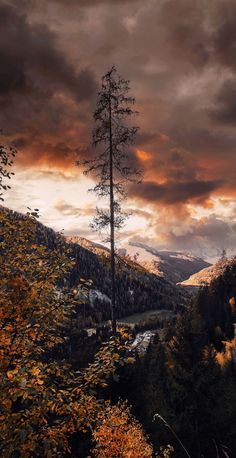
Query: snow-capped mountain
x=173, y=266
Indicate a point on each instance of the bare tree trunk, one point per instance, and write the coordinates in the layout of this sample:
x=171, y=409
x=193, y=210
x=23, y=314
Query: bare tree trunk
x=112, y=229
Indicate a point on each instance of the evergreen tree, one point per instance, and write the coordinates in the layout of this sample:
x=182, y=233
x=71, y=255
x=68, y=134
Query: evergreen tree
x=193, y=377
x=7, y=156
x=112, y=136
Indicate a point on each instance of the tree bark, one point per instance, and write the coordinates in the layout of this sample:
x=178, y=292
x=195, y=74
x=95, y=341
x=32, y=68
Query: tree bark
x=112, y=225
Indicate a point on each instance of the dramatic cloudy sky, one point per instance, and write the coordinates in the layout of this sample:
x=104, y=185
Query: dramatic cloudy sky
x=180, y=56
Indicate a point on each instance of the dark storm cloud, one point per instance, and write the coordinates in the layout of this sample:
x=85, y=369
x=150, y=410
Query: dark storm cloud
x=171, y=193
x=225, y=111
x=206, y=238
x=31, y=62
x=157, y=44
x=38, y=86
x=91, y=2
x=68, y=3
x=186, y=37
x=224, y=37
x=181, y=59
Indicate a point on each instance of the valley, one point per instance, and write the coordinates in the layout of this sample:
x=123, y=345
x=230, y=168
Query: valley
x=167, y=342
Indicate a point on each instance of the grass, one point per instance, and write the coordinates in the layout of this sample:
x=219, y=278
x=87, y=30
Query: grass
x=149, y=315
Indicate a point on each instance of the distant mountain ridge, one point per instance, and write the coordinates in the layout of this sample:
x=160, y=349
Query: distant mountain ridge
x=207, y=275
x=172, y=266
x=137, y=289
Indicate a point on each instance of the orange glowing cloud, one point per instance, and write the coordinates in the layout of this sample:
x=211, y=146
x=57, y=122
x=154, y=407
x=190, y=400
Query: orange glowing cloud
x=143, y=156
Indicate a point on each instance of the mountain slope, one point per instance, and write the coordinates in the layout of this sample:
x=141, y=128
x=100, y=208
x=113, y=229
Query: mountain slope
x=217, y=301
x=207, y=275
x=137, y=289
x=173, y=266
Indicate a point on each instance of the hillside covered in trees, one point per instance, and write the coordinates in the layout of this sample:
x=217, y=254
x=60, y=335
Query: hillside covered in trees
x=183, y=389
x=48, y=407
x=137, y=289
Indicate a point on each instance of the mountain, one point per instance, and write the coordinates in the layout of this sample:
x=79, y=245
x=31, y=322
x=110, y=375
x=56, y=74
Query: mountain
x=217, y=301
x=138, y=290
x=205, y=276
x=173, y=266
x=94, y=247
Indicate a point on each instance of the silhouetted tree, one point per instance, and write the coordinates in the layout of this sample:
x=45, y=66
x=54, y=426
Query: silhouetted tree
x=112, y=136
x=6, y=161
x=223, y=255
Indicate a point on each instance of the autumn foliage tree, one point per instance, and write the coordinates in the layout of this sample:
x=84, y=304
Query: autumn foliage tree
x=43, y=401
x=120, y=435
x=32, y=314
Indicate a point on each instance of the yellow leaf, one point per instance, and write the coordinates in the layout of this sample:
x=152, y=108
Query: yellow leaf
x=10, y=375
x=130, y=360
x=35, y=371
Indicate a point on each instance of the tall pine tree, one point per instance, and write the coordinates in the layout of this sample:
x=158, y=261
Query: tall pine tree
x=112, y=167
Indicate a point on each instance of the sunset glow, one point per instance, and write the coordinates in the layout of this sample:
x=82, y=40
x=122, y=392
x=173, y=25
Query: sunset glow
x=182, y=72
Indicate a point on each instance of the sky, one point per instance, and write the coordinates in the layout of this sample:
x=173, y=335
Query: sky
x=180, y=58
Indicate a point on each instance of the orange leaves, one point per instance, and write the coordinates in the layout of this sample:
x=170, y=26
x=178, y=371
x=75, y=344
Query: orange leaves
x=120, y=435
x=228, y=354
x=32, y=334
x=52, y=401
x=32, y=318
x=232, y=304
x=7, y=404
x=12, y=373
x=35, y=371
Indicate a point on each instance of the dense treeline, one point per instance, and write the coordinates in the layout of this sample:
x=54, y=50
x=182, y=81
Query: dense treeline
x=190, y=378
x=217, y=305
x=137, y=289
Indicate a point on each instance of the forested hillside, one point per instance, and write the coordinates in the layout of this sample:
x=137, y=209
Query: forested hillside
x=172, y=265
x=49, y=404
x=184, y=387
x=208, y=274
x=137, y=289
x=181, y=390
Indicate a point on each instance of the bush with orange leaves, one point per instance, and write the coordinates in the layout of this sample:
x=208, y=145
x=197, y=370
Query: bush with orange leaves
x=120, y=435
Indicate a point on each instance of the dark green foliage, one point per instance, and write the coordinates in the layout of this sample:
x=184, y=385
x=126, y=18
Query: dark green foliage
x=180, y=380
x=214, y=305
